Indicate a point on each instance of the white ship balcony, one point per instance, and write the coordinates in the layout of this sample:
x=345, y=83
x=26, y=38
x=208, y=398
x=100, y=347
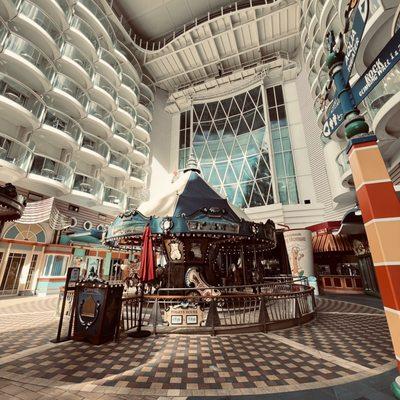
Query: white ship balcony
x=125, y=114
x=49, y=176
x=94, y=15
x=131, y=65
x=122, y=139
x=146, y=101
x=342, y=161
x=34, y=23
x=129, y=89
x=114, y=201
x=86, y=191
x=98, y=121
x=15, y=159
x=68, y=96
x=76, y=65
x=27, y=63
x=137, y=177
x=142, y=129
x=19, y=104
x=60, y=130
x=132, y=203
x=8, y=9
x=109, y=66
x=141, y=151
x=383, y=105
x=93, y=150
x=103, y=92
x=82, y=35
x=59, y=10
x=119, y=165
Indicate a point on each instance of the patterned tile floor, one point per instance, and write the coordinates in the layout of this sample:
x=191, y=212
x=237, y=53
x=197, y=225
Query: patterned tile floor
x=347, y=342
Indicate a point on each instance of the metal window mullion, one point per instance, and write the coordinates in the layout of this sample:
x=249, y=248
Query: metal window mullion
x=268, y=138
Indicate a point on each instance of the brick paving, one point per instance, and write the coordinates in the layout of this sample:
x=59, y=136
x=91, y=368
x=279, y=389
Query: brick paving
x=345, y=343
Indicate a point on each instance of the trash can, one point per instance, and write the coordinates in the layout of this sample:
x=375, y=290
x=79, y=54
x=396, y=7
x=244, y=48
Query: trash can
x=97, y=311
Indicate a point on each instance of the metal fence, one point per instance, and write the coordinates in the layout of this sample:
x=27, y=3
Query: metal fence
x=270, y=306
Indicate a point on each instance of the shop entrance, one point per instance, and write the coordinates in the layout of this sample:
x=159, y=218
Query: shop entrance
x=10, y=282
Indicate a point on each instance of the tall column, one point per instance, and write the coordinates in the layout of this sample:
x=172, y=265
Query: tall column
x=380, y=209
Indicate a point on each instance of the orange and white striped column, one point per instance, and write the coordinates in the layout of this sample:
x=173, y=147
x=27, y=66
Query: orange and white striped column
x=380, y=209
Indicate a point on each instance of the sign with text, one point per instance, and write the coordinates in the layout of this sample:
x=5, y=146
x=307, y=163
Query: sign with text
x=354, y=38
x=334, y=119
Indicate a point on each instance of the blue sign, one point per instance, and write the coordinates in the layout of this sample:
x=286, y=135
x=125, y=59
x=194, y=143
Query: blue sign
x=383, y=63
x=334, y=119
x=354, y=38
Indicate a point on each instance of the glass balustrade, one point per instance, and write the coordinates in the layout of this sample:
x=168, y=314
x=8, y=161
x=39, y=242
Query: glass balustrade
x=343, y=162
x=22, y=95
x=64, y=123
x=124, y=133
x=146, y=90
x=15, y=152
x=3, y=33
x=52, y=169
x=31, y=53
x=126, y=106
x=72, y=52
x=111, y=60
x=138, y=172
x=87, y=184
x=128, y=81
x=144, y=124
x=95, y=144
x=100, y=112
x=114, y=196
x=104, y=84
x=120, y=160
x=36, y=14
x=374, y=6
x=83, y=27
x=145, y=101
x=383, y=91
x=123, y=49
x=141, y=147
x=99, y=14
x=65, y=7
x=70, y=87
x=133, y=203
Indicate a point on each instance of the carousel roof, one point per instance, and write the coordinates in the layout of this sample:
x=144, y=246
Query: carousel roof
x=188, y=194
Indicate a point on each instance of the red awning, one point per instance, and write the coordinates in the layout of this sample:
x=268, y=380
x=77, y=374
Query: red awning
x=325, y=242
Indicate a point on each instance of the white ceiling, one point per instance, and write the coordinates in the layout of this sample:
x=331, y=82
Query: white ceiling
x=152, y=19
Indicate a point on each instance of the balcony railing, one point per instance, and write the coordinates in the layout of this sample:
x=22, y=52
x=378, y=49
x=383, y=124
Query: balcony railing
x=110, y=59
x=122, y=48
x=128, y=81
x=22, y=95
x=143, y=123
x=123, y=132
x=141, y=147
x=71, y=51
x=145, y=101
x=31, y=53
x=3, y=33
x=120, y=160
x=36, y=14
x=132, y=203
x=95, y=144
x=15, y=152
x=383, y=91
x=65, y=7
x=83, y=27
x=87, y=184
x=63, y=123
x=100, y=15
x=138, y=172
x=126, y=106
x=70, y=87
x=100, y=112
x=52, y=169
x=105, y=84
x=114, y=196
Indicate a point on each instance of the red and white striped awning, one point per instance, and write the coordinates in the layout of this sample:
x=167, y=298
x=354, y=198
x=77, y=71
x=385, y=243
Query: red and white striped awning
x=44, y=211
x=324, y=242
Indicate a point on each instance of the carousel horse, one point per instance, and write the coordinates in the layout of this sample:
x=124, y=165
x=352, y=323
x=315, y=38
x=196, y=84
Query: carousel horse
x=194, y=279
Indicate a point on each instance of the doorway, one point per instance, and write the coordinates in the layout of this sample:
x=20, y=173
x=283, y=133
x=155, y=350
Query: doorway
x=10, y=282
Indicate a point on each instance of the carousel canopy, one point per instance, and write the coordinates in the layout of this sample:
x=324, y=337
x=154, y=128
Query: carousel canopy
x=191, y=207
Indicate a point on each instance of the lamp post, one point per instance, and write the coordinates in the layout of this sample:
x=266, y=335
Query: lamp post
x=376, y=196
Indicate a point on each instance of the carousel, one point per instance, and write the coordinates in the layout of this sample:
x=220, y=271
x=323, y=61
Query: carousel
x=204, y=240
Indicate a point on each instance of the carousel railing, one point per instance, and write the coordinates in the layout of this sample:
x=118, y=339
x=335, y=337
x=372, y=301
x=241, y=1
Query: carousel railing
x=244, y=308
